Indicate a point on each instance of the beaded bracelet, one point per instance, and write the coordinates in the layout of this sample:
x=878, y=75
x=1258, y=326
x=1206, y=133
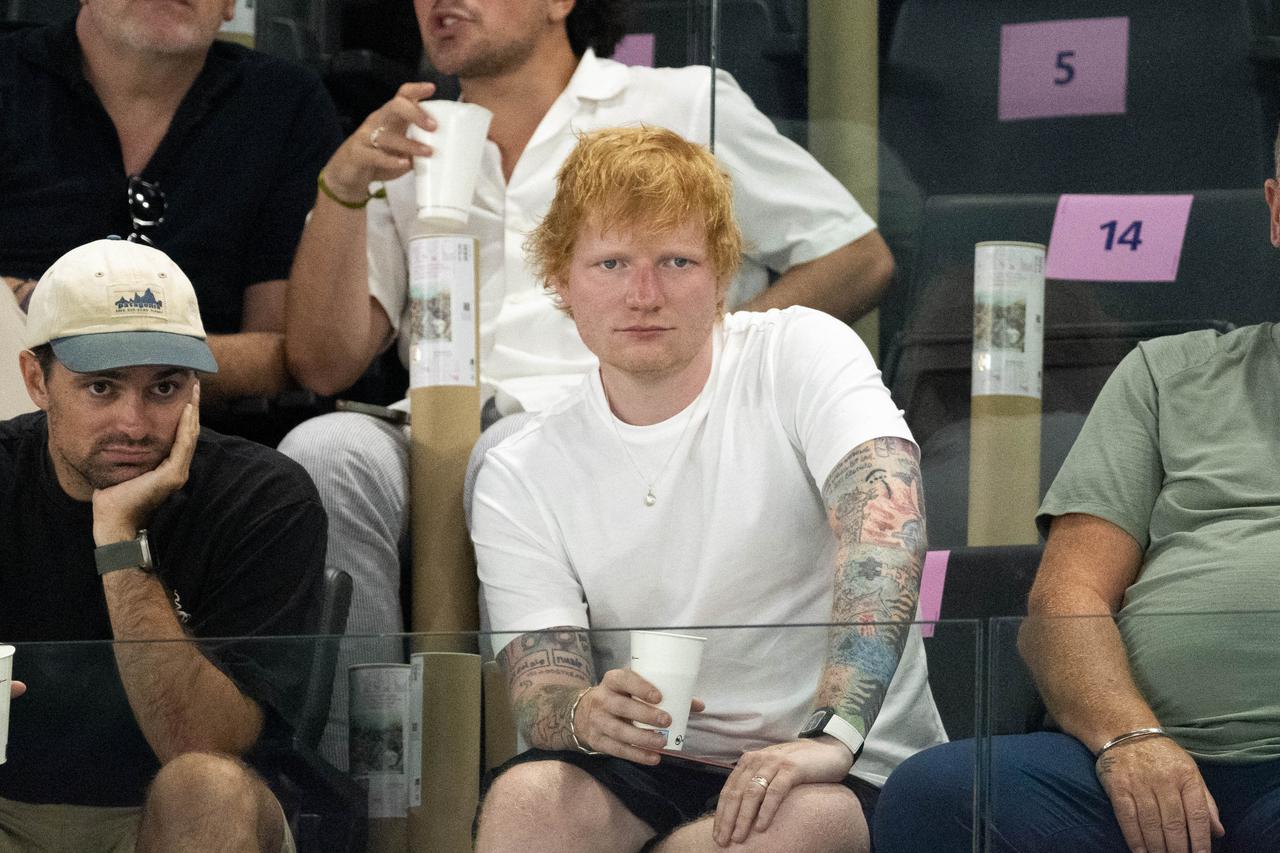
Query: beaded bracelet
x=573, y=713
x=1136, y=734
x=350, y=205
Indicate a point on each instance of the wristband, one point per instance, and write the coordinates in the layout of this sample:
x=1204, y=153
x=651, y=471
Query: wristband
x=825, y=721
x=1136, y=734
x=129, y=554
x=573, y=713
x=350, y=205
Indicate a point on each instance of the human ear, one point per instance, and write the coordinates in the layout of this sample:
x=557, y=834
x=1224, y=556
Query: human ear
x=33, y=378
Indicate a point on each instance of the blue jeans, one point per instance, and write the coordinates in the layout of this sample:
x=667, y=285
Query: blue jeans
x=1045, y=797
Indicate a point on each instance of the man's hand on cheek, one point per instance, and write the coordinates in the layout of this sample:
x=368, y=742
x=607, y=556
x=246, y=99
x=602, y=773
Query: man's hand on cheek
x=120, y=511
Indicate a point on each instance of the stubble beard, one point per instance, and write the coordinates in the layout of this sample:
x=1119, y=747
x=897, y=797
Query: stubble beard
x=493, y=62
x=101, y=474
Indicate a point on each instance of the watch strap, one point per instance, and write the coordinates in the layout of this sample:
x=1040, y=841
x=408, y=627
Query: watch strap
x=130, y=554
x=825, y=721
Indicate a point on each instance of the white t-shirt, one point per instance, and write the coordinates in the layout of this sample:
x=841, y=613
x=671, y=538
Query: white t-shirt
x=789, y=208
x=738, y=535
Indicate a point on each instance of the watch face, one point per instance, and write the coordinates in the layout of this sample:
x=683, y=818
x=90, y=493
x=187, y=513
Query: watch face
x=815, y=721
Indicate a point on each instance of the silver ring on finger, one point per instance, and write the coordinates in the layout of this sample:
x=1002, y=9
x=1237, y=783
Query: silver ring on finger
x=373, y=137
x=761, y=781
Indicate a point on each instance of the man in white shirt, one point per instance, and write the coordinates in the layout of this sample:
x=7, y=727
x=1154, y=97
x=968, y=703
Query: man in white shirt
x=679, y=485
x=534, y=64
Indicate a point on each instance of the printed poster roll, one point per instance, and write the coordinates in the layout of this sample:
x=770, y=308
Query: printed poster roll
x=1007, y=379
x=444, y=398
x=378, y=747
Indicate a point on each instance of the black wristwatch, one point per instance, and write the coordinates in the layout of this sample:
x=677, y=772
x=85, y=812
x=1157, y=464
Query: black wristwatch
x=130, y=554
x=825, y=721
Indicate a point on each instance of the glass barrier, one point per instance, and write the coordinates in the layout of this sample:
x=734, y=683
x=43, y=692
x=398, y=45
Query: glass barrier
x=1084, y=130
x=1206, y=678
x=388, y=738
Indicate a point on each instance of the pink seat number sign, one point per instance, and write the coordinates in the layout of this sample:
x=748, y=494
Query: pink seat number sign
x=636, y=49
x=1118, y=237
x=932, y=578
x=1064, y=68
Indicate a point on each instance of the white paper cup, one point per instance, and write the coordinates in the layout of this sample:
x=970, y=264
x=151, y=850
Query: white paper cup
x=6, y=685
x=670, y=662
x=446, y=181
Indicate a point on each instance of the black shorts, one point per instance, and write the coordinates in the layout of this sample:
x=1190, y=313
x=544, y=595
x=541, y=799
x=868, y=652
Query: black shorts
x=664, y=796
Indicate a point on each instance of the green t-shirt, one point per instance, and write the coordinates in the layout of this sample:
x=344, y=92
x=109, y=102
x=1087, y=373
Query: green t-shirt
x=1182, y=451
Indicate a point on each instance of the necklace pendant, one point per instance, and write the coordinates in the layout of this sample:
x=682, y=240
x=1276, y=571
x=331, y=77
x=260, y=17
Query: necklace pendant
x=650, y=499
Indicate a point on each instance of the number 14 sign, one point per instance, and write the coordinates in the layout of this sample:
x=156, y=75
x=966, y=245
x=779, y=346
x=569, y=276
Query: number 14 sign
x=1118, y=237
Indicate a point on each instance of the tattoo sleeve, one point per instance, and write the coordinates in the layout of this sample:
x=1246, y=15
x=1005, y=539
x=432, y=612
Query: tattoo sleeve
x=545, y=670
x=875, y=505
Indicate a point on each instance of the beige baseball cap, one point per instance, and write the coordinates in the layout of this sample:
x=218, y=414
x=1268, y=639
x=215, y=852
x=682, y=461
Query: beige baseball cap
x=112, y=303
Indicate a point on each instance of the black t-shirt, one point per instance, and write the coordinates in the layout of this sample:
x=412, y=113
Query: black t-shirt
x=240, y=550
x=237, y=166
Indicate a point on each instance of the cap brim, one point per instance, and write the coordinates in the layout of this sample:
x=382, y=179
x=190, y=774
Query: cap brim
x=112, y=350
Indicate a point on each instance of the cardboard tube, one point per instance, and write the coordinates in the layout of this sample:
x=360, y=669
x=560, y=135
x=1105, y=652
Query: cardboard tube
x=445, y=408
x=379, y=720
x=499, y=722
x=446, y=424
x=450, y=791
x=1004, y=470
x=1008, y=365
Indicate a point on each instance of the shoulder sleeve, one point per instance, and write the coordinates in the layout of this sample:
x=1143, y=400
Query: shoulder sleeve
x=1114, y=469
x=828, y=390
x=267, y=583
x=386, y=254
x=790, y=208
x=312, y=138
x=526, y=581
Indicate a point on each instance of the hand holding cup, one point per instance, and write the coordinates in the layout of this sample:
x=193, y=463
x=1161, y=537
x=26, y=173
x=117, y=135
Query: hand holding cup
x=609, y=716
x=380, y=149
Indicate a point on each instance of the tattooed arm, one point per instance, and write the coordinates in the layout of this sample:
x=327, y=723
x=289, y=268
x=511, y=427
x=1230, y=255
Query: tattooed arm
x=548, y=670
x=876, y=507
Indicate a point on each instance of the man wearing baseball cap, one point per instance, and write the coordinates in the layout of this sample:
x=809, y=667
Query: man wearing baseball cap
x=125, y=521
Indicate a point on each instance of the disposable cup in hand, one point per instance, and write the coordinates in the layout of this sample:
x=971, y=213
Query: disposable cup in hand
x=6, y=685
x=446, y=181
x=669, y=662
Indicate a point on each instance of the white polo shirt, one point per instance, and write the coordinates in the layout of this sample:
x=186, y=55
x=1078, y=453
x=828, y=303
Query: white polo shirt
x=789, y=208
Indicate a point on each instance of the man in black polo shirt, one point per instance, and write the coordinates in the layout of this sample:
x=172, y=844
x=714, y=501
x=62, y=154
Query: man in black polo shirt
x=124, y=520
x=131, y=113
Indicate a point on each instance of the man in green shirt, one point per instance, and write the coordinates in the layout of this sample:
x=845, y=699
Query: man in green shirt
x=1163, y=534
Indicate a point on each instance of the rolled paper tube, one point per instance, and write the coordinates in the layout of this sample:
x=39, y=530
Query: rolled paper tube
x=450, y=790
x=1004, y=421
x=445, y=406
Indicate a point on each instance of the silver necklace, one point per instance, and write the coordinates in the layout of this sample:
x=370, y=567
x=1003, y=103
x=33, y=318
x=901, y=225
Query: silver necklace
x=650, y=497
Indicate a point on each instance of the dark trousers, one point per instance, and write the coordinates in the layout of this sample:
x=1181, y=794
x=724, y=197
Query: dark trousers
x=1045, y=797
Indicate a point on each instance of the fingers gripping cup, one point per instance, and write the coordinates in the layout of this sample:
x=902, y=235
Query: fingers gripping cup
x=6, y=684
x=446, y=181
x=669, y=662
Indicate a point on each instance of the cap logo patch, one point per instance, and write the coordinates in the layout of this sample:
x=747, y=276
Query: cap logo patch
x=132, y=303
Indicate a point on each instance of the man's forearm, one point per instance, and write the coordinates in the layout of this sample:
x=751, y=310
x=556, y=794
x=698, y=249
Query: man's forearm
x=1082, y=670
x=181, y=701
x=328, y=315
x=1070, y=639
x=545, y=673
x=845, y=283
x=875, y=505
x=250, y=364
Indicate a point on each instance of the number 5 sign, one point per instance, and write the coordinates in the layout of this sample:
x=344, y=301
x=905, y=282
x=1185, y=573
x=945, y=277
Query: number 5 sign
x=1118, y=237
x=1064, y=68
